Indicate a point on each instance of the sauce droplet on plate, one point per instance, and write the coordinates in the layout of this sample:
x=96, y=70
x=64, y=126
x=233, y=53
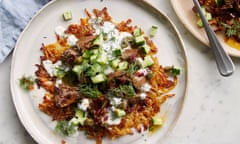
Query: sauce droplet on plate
x=233, y=43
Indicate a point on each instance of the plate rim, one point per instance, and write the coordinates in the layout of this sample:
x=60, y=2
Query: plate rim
x=28, y=127
x=185, y=54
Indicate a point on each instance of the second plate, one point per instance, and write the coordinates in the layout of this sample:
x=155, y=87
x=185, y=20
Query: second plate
x=183, y=9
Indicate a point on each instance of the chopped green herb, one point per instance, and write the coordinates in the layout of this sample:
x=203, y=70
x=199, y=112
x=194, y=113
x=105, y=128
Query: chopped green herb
x=226, y=25
x=114, y=92
x=122, y=91
x=128, y=90
x=219, y=2
x=113, y=39
x=173, y=70
x=70, y=78
x=89, y=91
x=232, y=30
x=26, y=83
x=132, y=68
x=64, y=128
x=117, y=52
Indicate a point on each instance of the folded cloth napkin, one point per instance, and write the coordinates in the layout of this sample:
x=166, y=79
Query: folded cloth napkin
x=14, y=16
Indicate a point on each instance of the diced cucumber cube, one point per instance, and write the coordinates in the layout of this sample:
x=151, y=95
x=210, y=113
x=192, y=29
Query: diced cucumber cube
x=67, y=15
x=78, y=69
x=94, y=69
x=97, y=68
x=153, y=31
x=157, y=121
x=93, y=58
x=208, y=16
x=102, y=59
x=94, y=52
x=137, y=32
x=199, y=23
x=108, y=70
x=85, y=62
x=122, y=65
x=119, y=113
x=94, y=55
x=139, y=40
x=98, y=78
x=79, y=118
x=203, y=11
x=86, y=54
x=148, y=61
x=115, y=63
x=98, y=41
x=79, y=113
x=145, y=48
x=59, y=73
x=173, y=70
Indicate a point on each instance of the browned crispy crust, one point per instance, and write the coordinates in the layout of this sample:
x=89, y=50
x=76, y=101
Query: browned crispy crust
x=138, y=112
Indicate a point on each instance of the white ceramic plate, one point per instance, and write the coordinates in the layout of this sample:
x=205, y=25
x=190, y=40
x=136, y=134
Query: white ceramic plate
x=41, y=30
x=183, y=9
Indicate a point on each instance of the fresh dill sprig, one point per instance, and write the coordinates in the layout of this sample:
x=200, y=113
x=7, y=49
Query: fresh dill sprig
x=64, y=128
x=128, y=90
x=232, y=30
x=122, y=91
x=26, y=83
x=89, y=90
x=132, y=68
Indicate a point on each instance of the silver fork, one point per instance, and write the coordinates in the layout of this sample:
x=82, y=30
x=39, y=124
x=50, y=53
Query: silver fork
x=224, y=62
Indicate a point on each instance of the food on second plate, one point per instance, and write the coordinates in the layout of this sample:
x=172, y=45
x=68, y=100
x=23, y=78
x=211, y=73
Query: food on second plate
x=224, y=16
x=103, y=77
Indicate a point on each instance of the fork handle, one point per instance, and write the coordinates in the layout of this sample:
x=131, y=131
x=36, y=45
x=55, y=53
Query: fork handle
x=224, y=62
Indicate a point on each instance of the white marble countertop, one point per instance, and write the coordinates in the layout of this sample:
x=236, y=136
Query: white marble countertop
x=211, y=113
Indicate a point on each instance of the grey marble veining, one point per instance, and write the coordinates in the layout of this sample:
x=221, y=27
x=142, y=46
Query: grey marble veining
x=211, y=113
